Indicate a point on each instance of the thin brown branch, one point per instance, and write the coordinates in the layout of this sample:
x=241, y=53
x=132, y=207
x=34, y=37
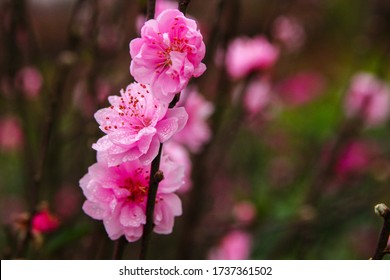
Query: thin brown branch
x=156, y=176
x=119, y=248
x=151, y=9
x=183, y=4
x=381, y=248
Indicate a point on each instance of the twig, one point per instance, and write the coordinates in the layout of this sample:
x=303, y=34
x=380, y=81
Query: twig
x=183, y=4
x=203, y=168
x=381, y=248
x=176, y=99
x=156, y=177
x=119, y=248
x=150, y=10
x=215, y=34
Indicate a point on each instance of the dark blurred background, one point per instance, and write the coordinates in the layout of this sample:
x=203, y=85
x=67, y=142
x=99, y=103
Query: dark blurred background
x=298, y=179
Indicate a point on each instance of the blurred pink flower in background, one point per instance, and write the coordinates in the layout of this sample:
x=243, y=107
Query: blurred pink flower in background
x=368, y=98
x=168, y=54
x=235, y=245
x=29, y=80
x=257, y=96
x=83, y=100
x=245, y=55
x=196, y=132
x=301, y=88
x=179, y=155
x=290, y=32
x=67, y=202
x=44, y=222
x=135, y=123
x=11, y=134
x=354, y=159
x=118, y=195
x=108, y=37
x=10, y=208
x=244, y=211
x=103, y=88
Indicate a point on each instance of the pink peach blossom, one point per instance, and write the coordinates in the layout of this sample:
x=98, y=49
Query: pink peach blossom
x=368, y=98
x=301, y=88
x=168, y=54
x=244, y=211
x=354, y=158
x=135, y=123
x=233, y=246
x=178, y=154
x=289, y=31
x=196, y=132
x=67, y=201
x=257, y=96
x=118, y=196
x=29, y=80
x=83, y=100
x=44, y=222
x=11, y=134
x=245, y=55
x=108, y=38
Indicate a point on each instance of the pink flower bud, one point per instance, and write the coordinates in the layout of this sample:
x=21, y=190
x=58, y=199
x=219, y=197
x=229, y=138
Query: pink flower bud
x=44, y=222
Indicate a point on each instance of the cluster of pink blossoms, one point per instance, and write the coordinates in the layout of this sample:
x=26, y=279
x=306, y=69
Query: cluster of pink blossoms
x=138, y=121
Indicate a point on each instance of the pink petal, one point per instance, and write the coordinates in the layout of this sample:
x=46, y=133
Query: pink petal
x=166, y=19
x=122, y=137
x=93, y=210
x=199, y=70
x=180, y=114
x=174, y=203
x=113, y=227
x=152, y=152
x=145, y=138
x=135, y=46
x=166, y=129
x=131, y=154
x=133, y=233
x=132, y=216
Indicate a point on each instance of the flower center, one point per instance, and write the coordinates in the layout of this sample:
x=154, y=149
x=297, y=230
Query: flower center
x=131, y=111
x=177, y=44
x=137, y=186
